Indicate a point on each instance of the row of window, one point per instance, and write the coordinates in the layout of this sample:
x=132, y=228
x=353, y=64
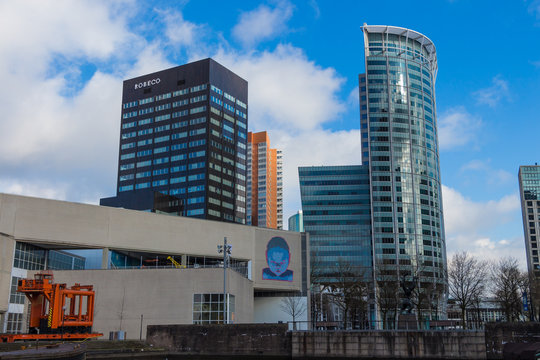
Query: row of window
x=228, y=96
x=176, y=114
x=164, y=96
x=164, y=182
x=174, y=136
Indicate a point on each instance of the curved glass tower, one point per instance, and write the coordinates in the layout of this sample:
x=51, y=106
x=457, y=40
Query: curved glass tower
x=400, y=147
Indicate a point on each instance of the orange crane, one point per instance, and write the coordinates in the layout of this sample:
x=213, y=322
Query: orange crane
x=48, y=305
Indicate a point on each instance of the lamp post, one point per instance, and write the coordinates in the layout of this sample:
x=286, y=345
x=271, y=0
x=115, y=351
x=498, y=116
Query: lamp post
x=226, y=250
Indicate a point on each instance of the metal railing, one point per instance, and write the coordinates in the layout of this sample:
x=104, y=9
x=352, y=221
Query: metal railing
x=404, y=325
x=242, y=270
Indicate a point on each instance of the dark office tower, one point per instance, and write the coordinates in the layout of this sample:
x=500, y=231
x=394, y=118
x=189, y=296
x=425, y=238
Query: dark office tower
x=400, y=147
x=184, y=137
x=529, y=189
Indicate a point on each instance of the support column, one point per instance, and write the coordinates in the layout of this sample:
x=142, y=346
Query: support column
x=105, y=258
x=184, y=260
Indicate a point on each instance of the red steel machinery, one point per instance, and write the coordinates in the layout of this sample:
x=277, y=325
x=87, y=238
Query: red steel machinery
x=56, y=311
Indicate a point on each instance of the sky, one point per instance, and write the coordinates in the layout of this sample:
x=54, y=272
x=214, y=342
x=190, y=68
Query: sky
x=62, y=64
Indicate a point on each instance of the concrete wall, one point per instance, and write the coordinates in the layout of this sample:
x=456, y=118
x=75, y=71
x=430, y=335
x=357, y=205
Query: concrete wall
x=7, y=247
x=162, y=296
x=500, y=335
x=248, y=339
x=274, y=340
x=390, y=344
x=67, y=225
x=269, y=310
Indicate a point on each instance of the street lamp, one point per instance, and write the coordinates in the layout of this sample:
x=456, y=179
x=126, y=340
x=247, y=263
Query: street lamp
x=226, y=250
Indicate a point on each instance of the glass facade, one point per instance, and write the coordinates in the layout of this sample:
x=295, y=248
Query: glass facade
x=529, y=185
x=296, y=222
x=31, y=257
x=336, y=214
x=400, y=148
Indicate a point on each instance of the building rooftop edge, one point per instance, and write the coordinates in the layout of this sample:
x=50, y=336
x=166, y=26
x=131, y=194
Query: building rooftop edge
x=208, y=59
x=400, y=31
x=139, y=212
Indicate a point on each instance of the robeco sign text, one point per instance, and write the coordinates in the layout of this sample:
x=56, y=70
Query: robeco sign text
x=147, y=83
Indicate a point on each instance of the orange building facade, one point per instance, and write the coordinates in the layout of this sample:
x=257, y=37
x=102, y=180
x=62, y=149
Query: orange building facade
x=265, y=183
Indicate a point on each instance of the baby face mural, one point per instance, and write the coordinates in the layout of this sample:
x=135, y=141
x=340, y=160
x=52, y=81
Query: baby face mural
x=278, y=258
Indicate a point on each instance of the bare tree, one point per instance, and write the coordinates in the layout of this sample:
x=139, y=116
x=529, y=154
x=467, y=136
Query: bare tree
x=387, y=295
x=318, y=286
x=507, y=282
x=349, y=292
x=293, y=306
x=467, y=277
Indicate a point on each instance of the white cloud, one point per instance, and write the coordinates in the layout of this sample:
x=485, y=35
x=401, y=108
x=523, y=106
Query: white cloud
x=262, y=23
x=493, y=94
x=492, y=176
x=179, y=31
x=150, y=59
x=31, y=32
x=457, y=128
x=315, y=7
x=59, y=134
x=286, y=89
x=464, y=215
x=353, y=100
x=475, y=226
x=36, y=189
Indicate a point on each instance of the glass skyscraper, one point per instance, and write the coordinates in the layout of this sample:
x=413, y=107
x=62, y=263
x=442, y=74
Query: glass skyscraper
x=393, y=221
x=529, y=190
x=335, y=207
x=529, y=186
x=400, y=148
x=296, y=222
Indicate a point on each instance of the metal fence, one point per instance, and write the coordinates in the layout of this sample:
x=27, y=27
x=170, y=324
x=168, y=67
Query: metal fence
x=404, y=325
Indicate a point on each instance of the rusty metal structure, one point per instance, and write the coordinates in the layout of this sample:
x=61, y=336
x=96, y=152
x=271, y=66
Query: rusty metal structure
x=56, y=311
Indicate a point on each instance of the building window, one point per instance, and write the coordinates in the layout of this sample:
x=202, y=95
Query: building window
x=142, y=185
x=195, y=212
x=163, y=117
x=177, y=191
x=209, y=308
x=198, y=88
x=14, y=323
x=197, y=99
x=217, y=90
x=163, y=107
x=181, y=92
x=15, y=296
x=163, y=96
x=29, y=257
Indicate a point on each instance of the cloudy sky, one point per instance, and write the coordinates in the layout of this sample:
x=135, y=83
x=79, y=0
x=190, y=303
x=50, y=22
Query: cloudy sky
x=62, y=64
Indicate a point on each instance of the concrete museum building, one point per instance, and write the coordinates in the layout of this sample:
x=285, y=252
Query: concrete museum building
x=138, y=283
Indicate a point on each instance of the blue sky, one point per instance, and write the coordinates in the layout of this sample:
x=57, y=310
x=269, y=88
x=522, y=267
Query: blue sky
x=62, y=64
